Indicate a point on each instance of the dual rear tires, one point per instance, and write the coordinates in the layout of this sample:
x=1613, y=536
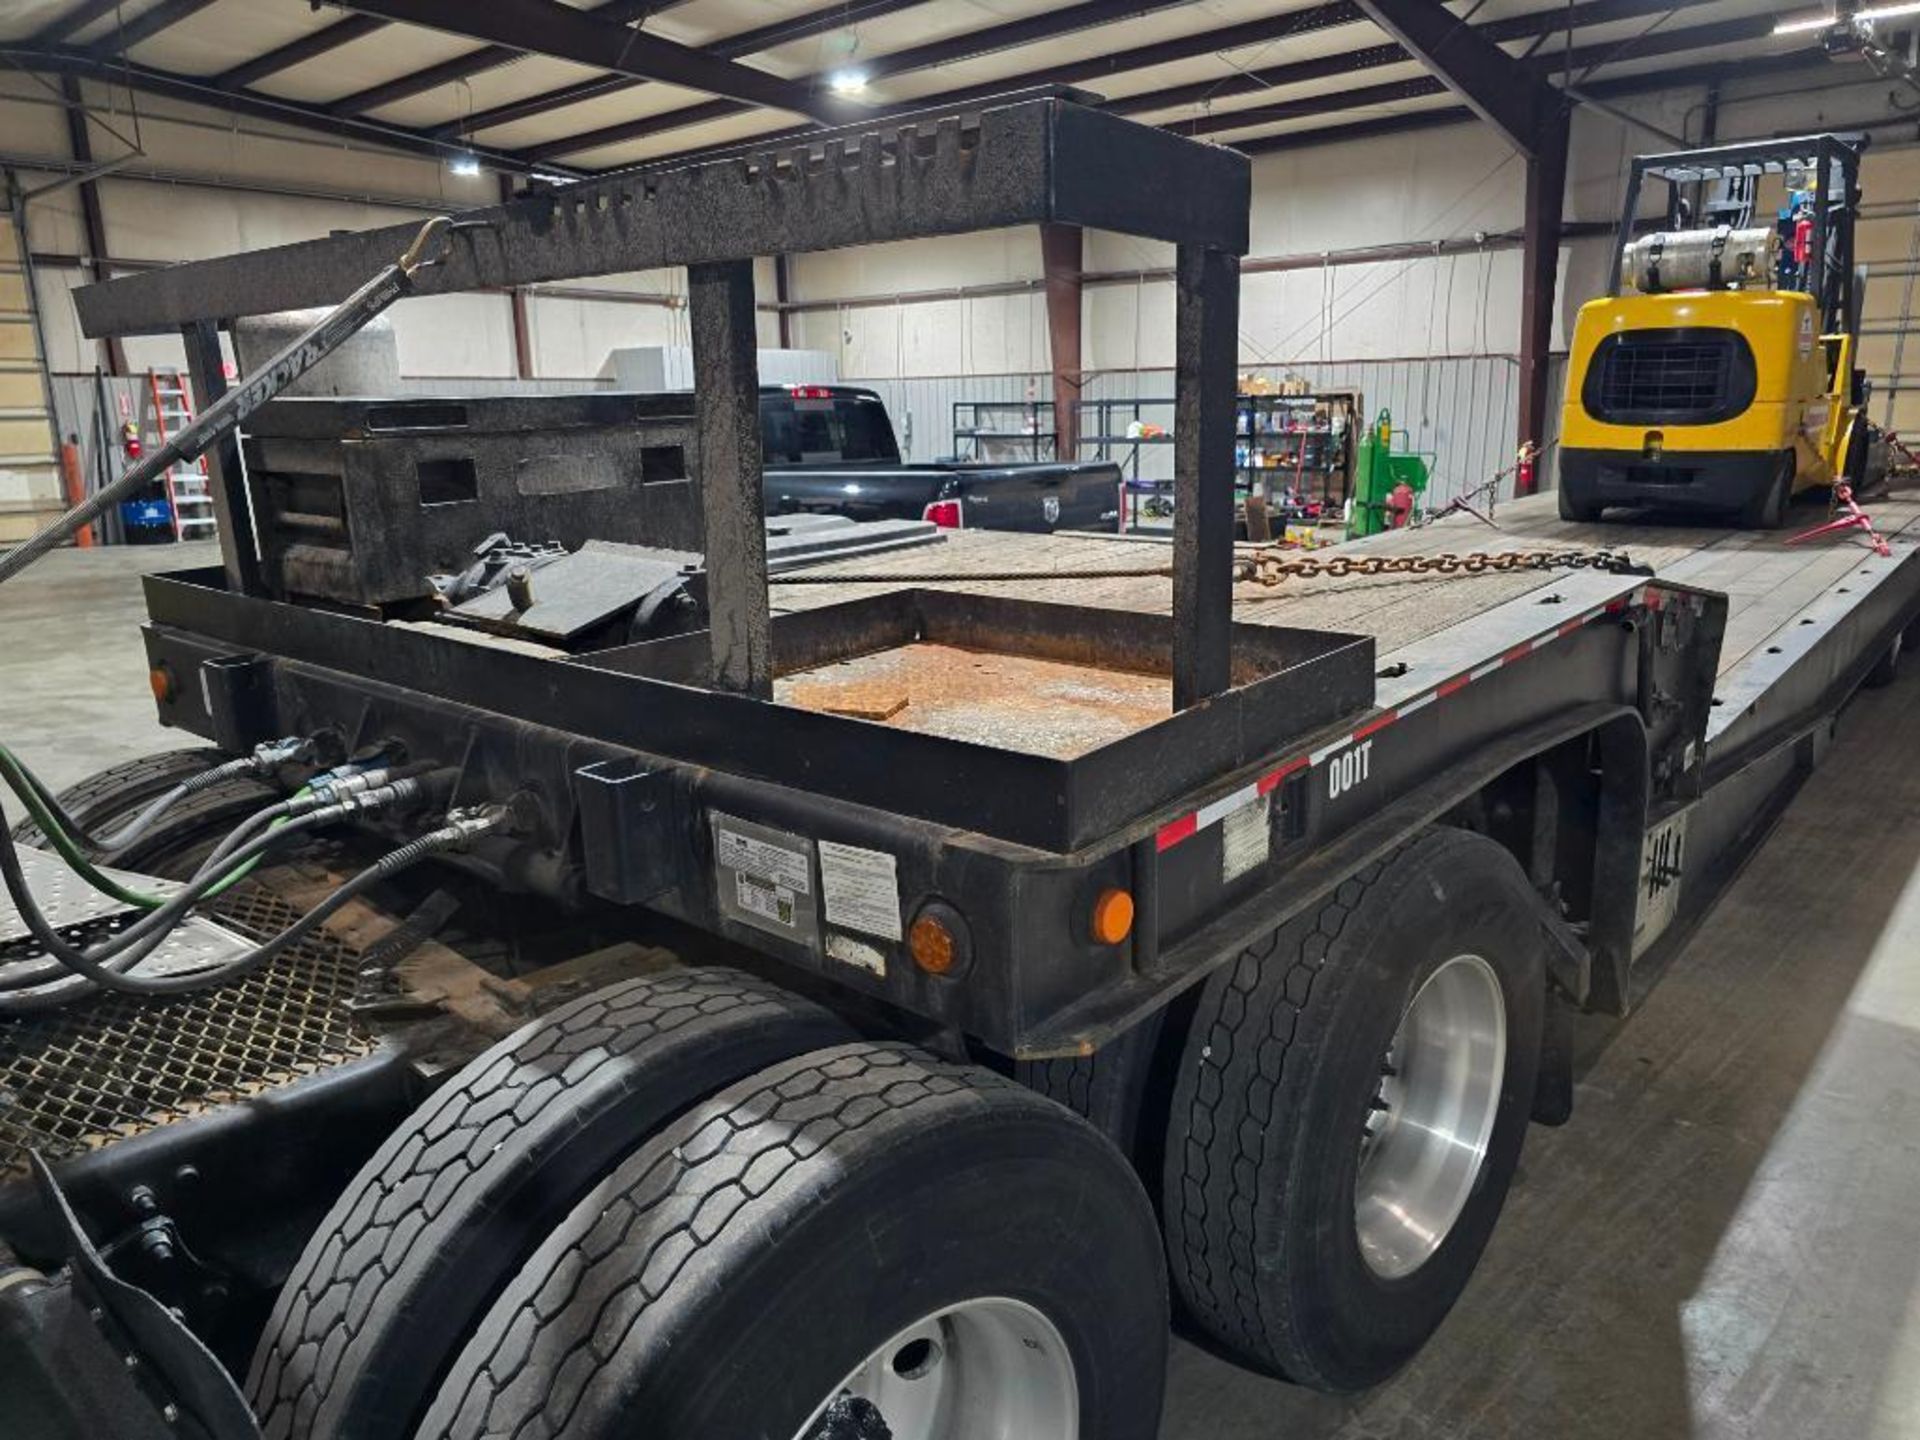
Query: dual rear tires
x=696, y=1199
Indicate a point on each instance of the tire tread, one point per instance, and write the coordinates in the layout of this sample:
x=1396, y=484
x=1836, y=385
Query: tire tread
x=474, y=1141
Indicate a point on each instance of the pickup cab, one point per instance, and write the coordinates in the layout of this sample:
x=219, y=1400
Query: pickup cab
x=830, y=449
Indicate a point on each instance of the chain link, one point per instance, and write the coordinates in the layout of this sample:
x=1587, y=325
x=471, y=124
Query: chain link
x=1274, y=566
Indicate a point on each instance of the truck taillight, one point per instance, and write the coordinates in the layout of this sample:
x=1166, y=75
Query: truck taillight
x=809, y=392
x=944, y=513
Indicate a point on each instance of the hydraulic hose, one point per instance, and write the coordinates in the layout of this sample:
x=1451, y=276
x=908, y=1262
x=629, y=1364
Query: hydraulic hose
x=106, y=964
x=461, y=829
x=72, y=841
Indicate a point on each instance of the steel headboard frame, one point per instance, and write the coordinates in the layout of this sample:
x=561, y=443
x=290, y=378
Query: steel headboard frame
x=1032, y=159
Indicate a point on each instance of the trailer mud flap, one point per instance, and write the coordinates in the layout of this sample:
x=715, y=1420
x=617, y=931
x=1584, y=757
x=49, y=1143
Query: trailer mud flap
x=177, y=1372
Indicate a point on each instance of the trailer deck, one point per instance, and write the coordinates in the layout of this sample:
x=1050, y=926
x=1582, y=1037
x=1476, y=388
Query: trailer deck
x=1770, y=583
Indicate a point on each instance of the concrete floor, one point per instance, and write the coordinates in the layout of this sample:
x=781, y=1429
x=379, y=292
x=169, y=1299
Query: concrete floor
x=1725, y=1241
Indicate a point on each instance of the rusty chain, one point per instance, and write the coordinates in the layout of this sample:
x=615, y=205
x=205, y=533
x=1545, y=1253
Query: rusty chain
x=1273, y=566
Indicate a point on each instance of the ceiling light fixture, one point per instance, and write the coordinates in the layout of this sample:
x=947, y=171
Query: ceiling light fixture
x=1803, y=23
x=464, y=165
x=848, y=82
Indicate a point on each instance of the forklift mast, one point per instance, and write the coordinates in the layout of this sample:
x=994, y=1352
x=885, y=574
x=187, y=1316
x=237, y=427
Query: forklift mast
x=1727, y=177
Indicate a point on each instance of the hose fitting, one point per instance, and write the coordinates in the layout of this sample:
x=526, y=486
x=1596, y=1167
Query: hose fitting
x=270, y=755
x=466, y=825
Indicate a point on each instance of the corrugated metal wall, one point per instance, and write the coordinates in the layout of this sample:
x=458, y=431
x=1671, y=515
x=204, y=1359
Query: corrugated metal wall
x=1465, y=409
x=922, y=408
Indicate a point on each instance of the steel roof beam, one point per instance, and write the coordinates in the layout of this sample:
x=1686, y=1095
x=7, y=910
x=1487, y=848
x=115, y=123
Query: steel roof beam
x=731, y=47
x=474, y=62
x=1047, y=25
x=1694, y=37
x=144, y=26
x=298, y=52
x=1705, y=73
x=1347, y=62
x=195, y=90
x=1503, y=91
x=546, y=27
x=73, y=22
x=1287, y=25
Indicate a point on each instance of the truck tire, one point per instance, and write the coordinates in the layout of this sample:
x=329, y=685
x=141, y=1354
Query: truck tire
x=112, y=796
x=1302, y=1232
x=1108, y=1088
x=844, y=1242
x=441, y=1217
x=1576, y=507
x=1768, y=509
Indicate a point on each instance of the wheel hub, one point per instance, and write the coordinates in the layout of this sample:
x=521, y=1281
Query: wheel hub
x=980, y=1370
x=1431, y=1117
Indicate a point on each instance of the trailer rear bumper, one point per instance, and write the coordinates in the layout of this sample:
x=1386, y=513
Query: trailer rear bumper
x=1697, y=480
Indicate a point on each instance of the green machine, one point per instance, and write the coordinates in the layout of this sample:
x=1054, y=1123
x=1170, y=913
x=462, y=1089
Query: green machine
x=1386, y=482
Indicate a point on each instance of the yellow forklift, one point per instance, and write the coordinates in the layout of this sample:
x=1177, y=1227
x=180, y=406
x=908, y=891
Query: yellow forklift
x=1719, y=372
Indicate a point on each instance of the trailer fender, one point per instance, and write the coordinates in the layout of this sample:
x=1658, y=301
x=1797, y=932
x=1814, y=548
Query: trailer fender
x=1620, y=824
x=1587, y=968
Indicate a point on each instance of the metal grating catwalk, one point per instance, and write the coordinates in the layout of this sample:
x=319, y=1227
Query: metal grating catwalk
x=115, y=1066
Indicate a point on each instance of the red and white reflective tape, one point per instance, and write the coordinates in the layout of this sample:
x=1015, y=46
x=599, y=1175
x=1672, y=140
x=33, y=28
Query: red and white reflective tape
x=1174, y=831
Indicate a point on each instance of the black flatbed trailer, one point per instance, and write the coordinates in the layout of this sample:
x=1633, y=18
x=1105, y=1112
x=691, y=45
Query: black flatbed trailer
x=1399, y=817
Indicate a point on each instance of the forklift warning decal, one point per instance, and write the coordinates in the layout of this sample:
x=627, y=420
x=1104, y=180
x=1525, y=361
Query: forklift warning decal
x=1354, y=771
x=764, y=878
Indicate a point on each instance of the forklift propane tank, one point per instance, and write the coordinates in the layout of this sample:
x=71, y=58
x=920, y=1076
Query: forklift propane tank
x=1716, y=259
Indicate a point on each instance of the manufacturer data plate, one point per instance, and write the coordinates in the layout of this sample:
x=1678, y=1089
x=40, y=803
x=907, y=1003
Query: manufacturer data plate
x=764, y=878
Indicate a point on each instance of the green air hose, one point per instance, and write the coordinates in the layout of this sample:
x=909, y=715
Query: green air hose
x=69, y=850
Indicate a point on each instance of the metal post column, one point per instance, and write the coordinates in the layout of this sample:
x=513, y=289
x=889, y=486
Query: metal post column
x=1207, y=338
x=726, y=389
x=1540, y=273
x=206, y=370
x=92, y=218
x=1060, y=262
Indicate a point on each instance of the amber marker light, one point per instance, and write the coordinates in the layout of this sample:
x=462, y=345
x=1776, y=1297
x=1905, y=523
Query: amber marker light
x=1112, y=917
x=932, y=945
x=160, y=680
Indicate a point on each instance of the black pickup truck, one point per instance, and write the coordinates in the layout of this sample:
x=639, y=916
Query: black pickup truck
x=831, y=449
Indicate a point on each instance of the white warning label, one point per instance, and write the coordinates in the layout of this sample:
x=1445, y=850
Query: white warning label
x=856, y=951
x=773, y=863
x=1245, y=839
x=861, y=889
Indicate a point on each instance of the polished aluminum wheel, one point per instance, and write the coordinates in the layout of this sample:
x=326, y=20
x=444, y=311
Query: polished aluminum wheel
x=1431, y=1116
x=988, y=1369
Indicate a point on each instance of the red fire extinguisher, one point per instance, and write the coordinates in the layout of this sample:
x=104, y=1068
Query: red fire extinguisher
x=1523, y=468
x=1399, y=505
x=130, y=441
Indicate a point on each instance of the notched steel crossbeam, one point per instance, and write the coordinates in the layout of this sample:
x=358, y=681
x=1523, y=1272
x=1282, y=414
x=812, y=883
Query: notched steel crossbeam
x=1029, y=161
